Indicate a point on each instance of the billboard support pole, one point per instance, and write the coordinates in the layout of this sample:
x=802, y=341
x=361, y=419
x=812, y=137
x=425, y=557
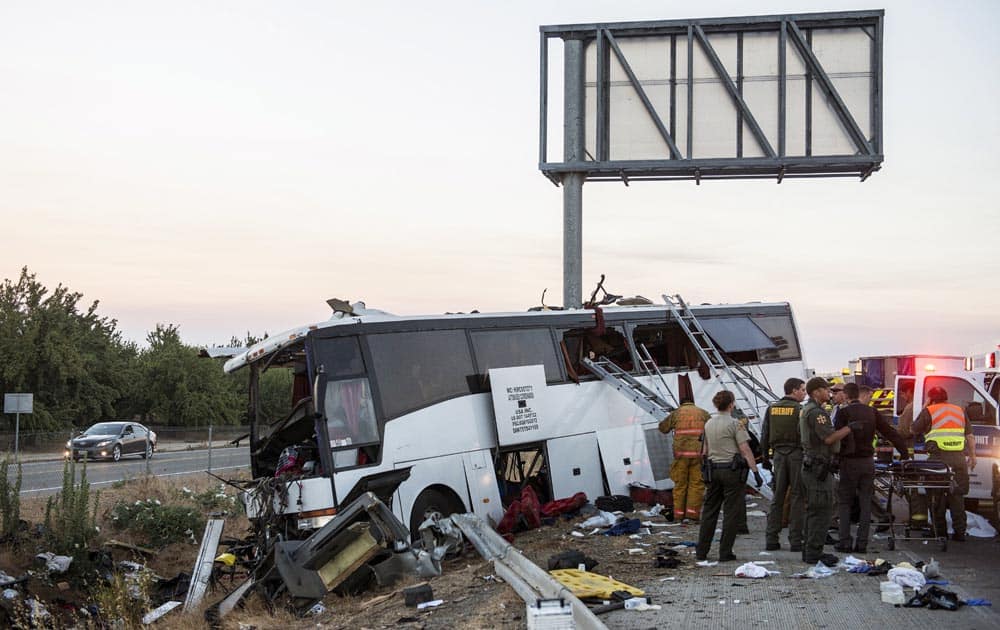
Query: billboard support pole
x=573, y=151
x=17, y=433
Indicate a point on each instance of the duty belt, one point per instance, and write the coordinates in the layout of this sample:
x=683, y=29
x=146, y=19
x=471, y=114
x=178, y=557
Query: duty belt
x=790, y=446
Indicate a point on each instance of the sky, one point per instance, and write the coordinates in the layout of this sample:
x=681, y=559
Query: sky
x=226, y=167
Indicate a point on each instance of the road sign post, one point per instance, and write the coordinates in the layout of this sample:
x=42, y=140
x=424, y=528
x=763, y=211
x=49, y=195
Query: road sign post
x=17, y=404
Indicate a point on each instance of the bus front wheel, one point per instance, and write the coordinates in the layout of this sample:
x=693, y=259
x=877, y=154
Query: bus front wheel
x=440, y=500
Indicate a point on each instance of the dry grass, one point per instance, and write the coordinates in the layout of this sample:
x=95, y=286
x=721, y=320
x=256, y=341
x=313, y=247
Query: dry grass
x=167, y=562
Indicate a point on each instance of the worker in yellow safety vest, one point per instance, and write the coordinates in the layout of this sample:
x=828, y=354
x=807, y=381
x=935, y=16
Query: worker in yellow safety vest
x=688, y=424
x=948, y=435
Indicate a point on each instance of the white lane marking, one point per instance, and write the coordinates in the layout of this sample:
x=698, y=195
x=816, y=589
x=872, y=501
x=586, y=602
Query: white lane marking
x=163, y=455
x=97, y=483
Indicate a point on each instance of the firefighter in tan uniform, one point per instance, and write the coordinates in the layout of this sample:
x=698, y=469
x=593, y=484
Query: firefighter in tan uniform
x=688, y=424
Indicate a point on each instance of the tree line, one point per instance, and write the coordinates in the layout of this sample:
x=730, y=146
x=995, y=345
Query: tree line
x=82, y=370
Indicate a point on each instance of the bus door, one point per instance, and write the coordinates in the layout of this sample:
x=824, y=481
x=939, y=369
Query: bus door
x=484, y=493
x=574, y=466
x=348, y=423
x=624, y=456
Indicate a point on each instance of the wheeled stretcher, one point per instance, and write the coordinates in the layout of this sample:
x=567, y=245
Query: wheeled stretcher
x=906, y=477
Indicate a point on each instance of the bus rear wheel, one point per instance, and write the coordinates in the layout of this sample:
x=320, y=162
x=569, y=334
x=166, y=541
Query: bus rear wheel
x=431, y=500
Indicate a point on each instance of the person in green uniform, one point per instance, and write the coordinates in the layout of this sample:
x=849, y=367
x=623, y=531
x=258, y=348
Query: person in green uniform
x=728, y=459
x=820, y=442
x=780, y=434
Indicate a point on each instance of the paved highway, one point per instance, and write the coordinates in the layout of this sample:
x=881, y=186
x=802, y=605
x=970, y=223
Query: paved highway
x=45, y=477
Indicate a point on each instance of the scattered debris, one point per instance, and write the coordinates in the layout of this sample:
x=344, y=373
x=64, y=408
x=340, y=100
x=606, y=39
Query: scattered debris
x=312, y=567
x=571, y=559
x=203, y=564
x=932, y=569
x=976, y=525
x=522, y=514
x=627, y=526
x=159, y=612
x=54, y=563
x=418, y=594
x=431, y=604
x=564, y=506
x=439, y=537
x=614, y=503
x=816, y=572
x=751, y=570
x=934, y=598
x=640, y=604
x=850, y=562
x=910, y=578
x=116, y=544
x=602, y=519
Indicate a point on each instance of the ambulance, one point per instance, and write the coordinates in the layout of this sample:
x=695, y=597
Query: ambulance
x=966, y=390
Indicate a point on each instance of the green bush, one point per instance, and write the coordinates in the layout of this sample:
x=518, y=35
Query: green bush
x=10, y=500
x=212, y=499
x=70, y=517
x=158, y=524
x=124, y=599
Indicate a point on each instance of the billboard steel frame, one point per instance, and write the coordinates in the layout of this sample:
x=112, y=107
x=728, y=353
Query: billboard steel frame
x=796, y=29
x=579, y=166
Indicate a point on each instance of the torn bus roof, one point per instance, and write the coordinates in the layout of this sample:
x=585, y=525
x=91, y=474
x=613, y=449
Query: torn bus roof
x=282, y=340
x=220, y=352
x=361, y=315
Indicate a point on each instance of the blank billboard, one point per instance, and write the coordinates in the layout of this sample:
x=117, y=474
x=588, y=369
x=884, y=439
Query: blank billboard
x=767, y=96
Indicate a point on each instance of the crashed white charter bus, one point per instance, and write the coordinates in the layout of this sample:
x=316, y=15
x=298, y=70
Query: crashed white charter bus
x=455, y=412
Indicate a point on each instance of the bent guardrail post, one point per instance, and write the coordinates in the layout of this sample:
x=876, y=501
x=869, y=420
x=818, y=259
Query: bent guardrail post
x=529, y=580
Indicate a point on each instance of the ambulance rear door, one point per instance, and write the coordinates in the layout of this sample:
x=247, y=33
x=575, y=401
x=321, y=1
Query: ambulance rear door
x=981, y=410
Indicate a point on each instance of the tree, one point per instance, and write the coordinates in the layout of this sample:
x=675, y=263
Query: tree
x=180, y=388
x=74, y=361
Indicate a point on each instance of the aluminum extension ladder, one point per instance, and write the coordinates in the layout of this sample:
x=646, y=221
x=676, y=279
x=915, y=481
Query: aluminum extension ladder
x=733, y=377
x=653, y=372
x=648, y=400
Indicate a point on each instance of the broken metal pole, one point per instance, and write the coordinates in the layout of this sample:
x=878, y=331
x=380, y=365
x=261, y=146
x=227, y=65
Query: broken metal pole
x=203, y=565
x=529, y=580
